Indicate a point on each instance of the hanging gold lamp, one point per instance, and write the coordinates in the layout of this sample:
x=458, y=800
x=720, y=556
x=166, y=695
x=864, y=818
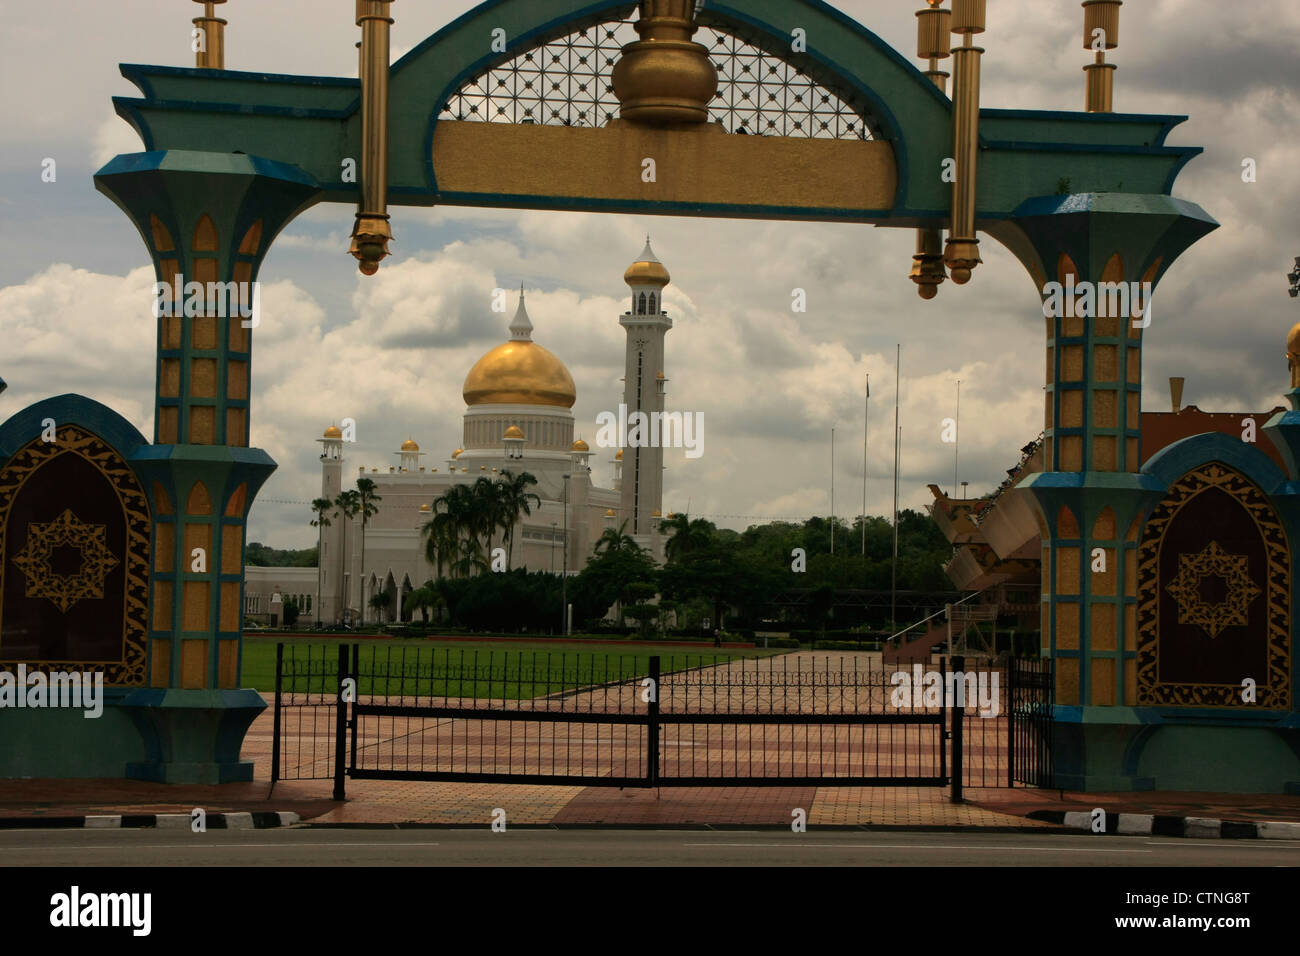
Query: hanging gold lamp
x=962, y=251
x=371, y=233
x=933, y=43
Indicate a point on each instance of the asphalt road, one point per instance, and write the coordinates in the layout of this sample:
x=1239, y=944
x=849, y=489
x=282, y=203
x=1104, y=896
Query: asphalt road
x=305, y=846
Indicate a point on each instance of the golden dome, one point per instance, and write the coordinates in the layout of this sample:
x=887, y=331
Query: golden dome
x=424, y=509
x=619, y=456
x=579, y=445
x=410, y=445
x=520, y=373
x=1293, y=340
x=333, y=432
x=656, y=513
x=610, y=513
x=647, y=270
x=458, y=452
x=514, y=431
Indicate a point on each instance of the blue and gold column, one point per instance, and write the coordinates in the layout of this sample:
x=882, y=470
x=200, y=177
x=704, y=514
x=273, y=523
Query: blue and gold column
x=207, y=220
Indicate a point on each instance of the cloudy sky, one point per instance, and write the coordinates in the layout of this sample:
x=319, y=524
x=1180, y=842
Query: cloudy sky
x=392, y=351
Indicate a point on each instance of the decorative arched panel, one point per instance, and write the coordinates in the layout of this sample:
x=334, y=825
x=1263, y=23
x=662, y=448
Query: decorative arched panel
x=1214, y=580
x=74, y=558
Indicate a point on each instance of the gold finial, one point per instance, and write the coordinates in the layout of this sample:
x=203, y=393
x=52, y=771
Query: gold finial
x=665, y=77
x=1100, y=33
x=211, y=37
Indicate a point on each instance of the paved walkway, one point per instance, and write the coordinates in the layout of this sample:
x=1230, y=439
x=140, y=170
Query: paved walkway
x=722, y=688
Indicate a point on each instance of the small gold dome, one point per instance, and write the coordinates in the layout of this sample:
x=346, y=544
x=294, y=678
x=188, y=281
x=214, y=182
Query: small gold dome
x=1293, y=340
x=410, y=445
x=610, y=513
x=424, y=509
x=656, y=513
x=333, y=432
x=579, y=445
x=647, y=270
x=514, y=431
x=619, y=456
x=458, y=452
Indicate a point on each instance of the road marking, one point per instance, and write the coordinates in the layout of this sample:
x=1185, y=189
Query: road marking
x=201, y=846
x=1260, y=844
x=922, y=846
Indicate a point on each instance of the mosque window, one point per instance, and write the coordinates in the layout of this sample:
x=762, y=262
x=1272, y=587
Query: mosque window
x=652, y=303
x=641, y=310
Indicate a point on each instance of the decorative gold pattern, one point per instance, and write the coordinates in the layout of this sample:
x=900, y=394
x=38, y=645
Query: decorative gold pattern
x=63, y=591
x=1272, y=693
x=72, y=440
x=1234, y=609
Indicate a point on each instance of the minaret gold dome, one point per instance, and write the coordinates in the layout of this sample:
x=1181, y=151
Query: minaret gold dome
x=580, y=445
x=647, y=270
x=410, y=445
x=520, y=372
x=514, y=431
x=333, y=432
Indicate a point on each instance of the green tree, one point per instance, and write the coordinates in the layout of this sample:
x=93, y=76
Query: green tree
x=290, y=612
x=323, y=509
x=381, y=601
x=348, y=504
x=423, y=599
x=367, y=507
x=515, y=499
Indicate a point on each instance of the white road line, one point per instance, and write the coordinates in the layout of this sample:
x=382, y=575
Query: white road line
x=921, y=846
x=1260, y=844
x=202, y=846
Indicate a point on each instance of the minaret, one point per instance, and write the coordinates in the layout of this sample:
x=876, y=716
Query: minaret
x=331, y=483
x=642, y=476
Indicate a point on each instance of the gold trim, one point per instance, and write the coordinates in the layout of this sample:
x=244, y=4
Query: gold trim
x=1274, y=692
x=27, y=462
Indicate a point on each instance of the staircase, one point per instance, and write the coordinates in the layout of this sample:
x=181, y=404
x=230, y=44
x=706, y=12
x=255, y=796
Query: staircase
x=954, y=621
x=919, y=648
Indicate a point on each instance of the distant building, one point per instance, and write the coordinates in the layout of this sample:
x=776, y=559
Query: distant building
x=518, y=418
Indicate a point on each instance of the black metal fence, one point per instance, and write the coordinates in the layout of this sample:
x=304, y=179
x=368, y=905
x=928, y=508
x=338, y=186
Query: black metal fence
x=421, y=712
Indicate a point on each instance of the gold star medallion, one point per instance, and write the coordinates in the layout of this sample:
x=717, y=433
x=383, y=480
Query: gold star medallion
x=67, y=530
x=1193, y=609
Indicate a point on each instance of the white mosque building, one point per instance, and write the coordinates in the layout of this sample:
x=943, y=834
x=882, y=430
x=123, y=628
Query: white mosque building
x=518, y=417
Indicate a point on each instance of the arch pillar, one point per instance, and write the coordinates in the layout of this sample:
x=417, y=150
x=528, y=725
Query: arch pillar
x=206, y=218
x=1091, y=496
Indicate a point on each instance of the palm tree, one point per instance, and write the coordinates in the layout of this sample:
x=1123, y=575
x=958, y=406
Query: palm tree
x=486, y=510
x=616, y=540
x=452, y=534
x=687, y=536
x=515, y=500
x=348, y=504
x=319, y=507
x=367, y=506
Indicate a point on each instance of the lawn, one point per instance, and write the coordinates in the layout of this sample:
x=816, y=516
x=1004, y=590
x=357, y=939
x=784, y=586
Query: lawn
x=467, y=668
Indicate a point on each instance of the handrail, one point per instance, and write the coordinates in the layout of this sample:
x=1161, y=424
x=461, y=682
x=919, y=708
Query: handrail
x=934, y=615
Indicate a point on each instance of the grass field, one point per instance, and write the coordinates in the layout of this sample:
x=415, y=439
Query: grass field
x=468, y=668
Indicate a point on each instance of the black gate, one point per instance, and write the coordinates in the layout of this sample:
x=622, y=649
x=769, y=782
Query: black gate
x=418, y=712
x=1031, y=692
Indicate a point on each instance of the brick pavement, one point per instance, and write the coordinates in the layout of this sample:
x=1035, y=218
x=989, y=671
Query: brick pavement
x=393, y=802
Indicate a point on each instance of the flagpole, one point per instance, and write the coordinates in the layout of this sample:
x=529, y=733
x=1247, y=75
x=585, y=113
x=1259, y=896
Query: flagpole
x=956, y=442
x=893, y=565
x=866, y=416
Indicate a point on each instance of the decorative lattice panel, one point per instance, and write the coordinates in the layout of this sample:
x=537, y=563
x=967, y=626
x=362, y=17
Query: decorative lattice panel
x=567, y=82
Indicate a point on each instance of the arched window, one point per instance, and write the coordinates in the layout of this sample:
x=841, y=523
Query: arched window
x=653, y=310
x=641, y=310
